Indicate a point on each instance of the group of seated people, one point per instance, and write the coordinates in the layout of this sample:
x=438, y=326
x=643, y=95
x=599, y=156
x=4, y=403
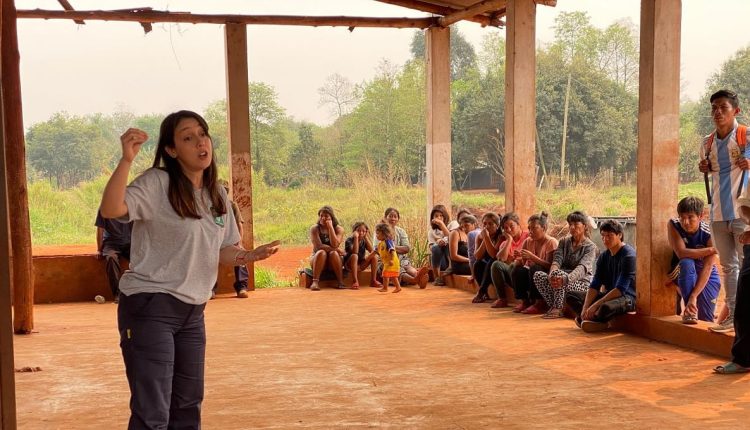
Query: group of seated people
x=544, y=273
x=386, y=252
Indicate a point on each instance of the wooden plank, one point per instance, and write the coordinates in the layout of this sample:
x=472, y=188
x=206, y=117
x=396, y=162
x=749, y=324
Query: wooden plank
x=144, y=16
x=658, y=142
x=438, y=160
x=67, y=6
x=15, y=153
x=238, y=126
x=7, y=372
x=476, y=9
x=443, y=10
x=520, y=107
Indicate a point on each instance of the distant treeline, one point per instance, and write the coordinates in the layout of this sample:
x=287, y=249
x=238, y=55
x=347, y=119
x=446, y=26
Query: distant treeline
x=379, y=124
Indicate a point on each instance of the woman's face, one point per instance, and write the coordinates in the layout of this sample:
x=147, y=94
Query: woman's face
x=392, y=218
x=512, y=228
x=324, y=217
x=536, y=231
x=577, y=229
x=467, y=227
x=438, y=216
x=362, y=230
x=490, y=225
x=192, y=146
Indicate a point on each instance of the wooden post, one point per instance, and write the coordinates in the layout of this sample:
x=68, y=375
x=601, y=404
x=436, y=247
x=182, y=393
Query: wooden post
x=238, y=126
x=520, y=107
x=7, y=375
x=20, y=230
x=658, y=144
x=438, y=160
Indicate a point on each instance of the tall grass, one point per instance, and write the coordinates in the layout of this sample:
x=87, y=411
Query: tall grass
x=67, y=217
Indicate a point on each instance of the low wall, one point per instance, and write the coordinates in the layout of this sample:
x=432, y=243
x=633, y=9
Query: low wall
x=80, y=277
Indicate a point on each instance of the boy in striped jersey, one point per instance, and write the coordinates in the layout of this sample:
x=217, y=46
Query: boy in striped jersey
x=724, y=156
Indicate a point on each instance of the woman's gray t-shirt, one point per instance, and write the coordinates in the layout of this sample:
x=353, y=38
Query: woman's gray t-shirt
x=170, y=254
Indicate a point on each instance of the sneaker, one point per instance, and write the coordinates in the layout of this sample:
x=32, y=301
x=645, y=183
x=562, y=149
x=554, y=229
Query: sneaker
x=242, y=293
x=723, y=327
x=439, y=282
x=593, y=326
x=578, y=322
x=689, y=319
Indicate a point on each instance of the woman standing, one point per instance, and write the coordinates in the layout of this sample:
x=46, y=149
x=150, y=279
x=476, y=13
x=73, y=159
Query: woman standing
x=182, y=230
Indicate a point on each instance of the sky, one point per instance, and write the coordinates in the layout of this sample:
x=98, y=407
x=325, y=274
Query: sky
x=113, y=66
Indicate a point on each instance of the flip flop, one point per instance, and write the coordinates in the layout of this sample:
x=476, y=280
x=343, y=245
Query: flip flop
x=355, y=286
x=731, y=368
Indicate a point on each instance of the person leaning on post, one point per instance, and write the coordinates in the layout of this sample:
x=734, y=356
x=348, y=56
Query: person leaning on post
x=182, y=230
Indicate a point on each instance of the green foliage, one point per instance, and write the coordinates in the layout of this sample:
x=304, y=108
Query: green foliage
x=67, y=149
x=267, y=278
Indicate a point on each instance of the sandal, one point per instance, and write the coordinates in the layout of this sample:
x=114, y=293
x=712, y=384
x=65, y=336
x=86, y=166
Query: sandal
x=731, y=368
x=341, y=286
x=315, y=286
x=355, y=286
x=689, y=319
x=553, y=314
x=480, y=298
x=376, y=284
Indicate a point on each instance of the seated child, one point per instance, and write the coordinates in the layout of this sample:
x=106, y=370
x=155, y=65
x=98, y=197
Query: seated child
x=698, y=280
x=356, y=258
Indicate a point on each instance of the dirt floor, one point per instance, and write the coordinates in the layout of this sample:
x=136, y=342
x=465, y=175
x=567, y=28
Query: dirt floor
x=422, y=359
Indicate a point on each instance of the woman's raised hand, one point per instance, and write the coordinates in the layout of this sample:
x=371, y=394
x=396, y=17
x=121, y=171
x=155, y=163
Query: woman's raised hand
x=131, y=142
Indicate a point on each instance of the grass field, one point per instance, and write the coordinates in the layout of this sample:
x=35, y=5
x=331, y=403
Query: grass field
x=67, y=217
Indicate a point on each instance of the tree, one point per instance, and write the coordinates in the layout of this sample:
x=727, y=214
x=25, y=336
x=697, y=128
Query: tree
x=463, y=57
x=265, y=115
x=339, y=94
x=67, y=149
x=733, y=75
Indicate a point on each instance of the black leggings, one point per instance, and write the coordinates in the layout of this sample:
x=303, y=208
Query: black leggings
x=483, y=273
x=607, y=311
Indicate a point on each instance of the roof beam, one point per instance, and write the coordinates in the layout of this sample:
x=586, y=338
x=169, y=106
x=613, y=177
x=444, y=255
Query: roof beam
x=443, y=10
x=142, y=16
x=475, y=9
x=67, y=6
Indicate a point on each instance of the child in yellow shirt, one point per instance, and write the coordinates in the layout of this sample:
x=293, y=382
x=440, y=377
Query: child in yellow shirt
x=387, y=252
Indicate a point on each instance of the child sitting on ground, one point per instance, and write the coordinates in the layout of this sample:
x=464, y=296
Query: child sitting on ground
x=387, y=252
x=698, y=280
x=356, y=258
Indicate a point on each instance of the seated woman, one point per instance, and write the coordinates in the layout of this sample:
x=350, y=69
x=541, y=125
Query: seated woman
x=356, y=257
x=535, y=255
x=437, y=238
x=409, y=275
x=507, y=256
x=698, y=280
x=572, y=266
x=487, y=244
x=326, y=237
x=458, y=247
x=612, y=291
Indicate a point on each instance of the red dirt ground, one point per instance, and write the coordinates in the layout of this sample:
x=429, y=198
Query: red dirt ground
x=422, y=359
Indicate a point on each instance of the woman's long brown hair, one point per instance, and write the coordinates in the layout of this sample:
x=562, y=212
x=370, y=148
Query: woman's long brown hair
x=180, y=193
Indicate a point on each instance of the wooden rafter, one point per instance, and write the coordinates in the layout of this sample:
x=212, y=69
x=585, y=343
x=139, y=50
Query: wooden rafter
x=186, y=17
x=473, y=10
x=442, y=10
x=67, y=6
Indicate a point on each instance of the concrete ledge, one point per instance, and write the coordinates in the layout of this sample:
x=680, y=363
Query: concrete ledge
x=670, y=329
x=364, y=280
x=80, y=277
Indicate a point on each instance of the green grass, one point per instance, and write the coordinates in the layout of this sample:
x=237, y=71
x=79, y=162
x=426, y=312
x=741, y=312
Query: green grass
x=67, y=217
x=266, y=278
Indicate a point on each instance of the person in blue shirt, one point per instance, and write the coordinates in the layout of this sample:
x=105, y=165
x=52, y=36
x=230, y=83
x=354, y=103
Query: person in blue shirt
x=698, y=280
x=612, y=290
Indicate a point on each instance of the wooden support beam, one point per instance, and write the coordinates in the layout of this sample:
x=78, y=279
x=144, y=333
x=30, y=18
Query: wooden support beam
x=190, y=18
x=476, y=9
x=15, y=152
x=444, y=10
x=437, y=48
x=238, y=126
x=7, y=370
x=520, y=107
x=67, y=6
x=658, y=142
